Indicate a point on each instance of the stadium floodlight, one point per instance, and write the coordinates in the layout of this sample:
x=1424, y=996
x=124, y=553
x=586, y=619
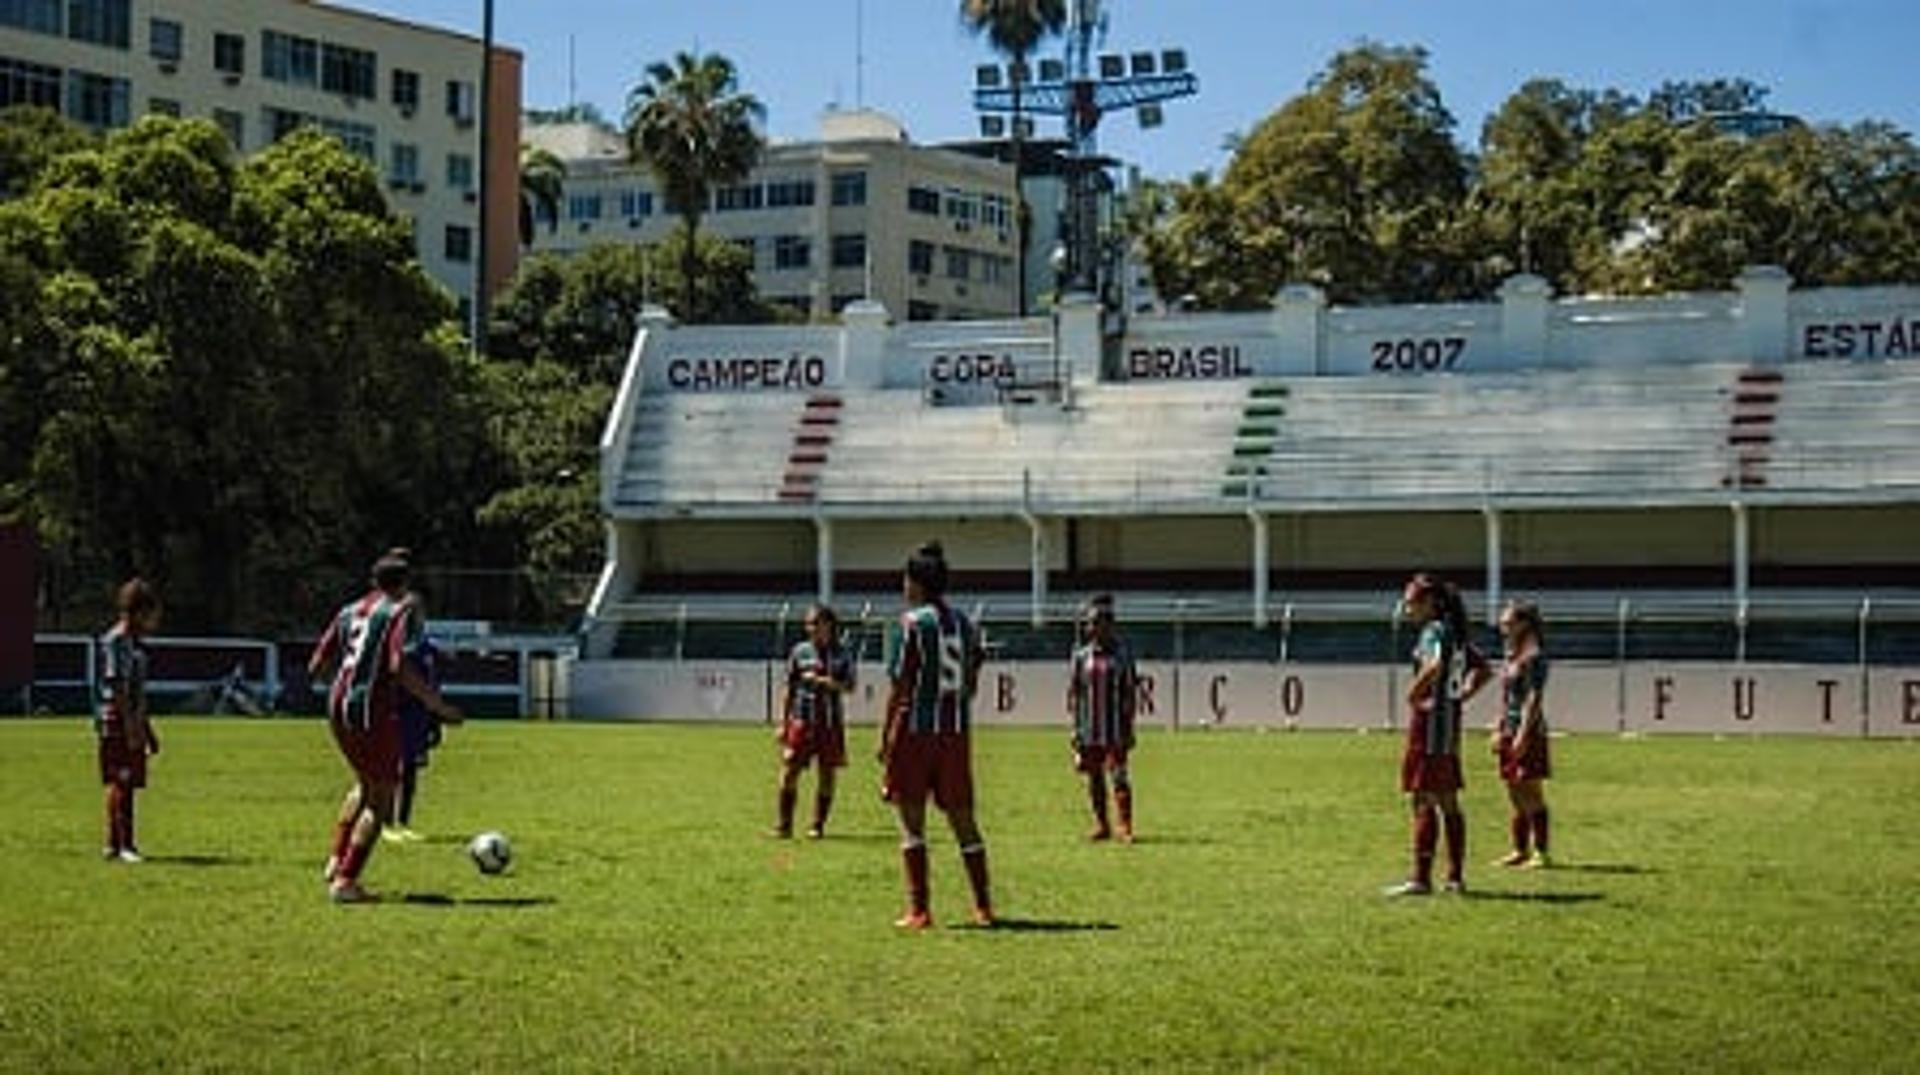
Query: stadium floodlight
x=1173, y=61
x=1052, y=71
x=993, y=127
x=1112, y=66
x=1151, y=116
x=987, y=76
x=1142, y=64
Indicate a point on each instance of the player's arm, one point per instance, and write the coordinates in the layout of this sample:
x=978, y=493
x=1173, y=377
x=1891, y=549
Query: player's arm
x=1429, y=673
x=324, y=651
x=1129, y=700
x=1479, y=672
x=1530, y=710
x=903, y=670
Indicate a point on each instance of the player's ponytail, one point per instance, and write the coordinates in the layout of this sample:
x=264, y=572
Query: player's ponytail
x=1453, y=609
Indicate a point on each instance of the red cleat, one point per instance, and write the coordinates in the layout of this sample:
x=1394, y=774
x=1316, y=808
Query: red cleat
x=914, y=921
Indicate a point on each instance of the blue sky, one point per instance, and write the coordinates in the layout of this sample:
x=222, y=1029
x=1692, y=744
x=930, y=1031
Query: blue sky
x=1827, y=60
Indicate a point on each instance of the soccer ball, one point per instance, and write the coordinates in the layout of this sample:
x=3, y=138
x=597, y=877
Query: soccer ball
x=490, y=852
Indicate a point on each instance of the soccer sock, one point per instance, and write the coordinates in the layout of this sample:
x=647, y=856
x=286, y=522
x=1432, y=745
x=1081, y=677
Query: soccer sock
x=1540, y=830
x=115, y=831
x=822, y=806
x=355, y=860
x=342, y=840
x=1456, y=845
x=974, y=857
x=1123, y=798
x=1520, y=827
x=408, y=780
x=126, y=819
x=1097, y=796
x=1426, y=836
x=913, y=854
x=787, y=798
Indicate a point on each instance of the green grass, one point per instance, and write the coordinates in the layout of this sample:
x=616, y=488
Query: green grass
x=1742, y=905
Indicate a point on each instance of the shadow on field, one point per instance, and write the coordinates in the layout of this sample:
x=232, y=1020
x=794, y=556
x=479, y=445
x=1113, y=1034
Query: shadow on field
x=1535, y=897
x=1623, y=869
x=199, y=860
x=441, y=899
x=1044, y=925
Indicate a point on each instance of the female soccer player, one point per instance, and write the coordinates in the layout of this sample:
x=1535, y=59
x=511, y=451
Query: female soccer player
x=1520, y=741
x=1446, y=673
x=126, y=734
x=1101, y=694
x=819, y=675
x=935, y=670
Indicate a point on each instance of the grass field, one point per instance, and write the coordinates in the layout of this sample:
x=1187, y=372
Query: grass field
x=1741, y=905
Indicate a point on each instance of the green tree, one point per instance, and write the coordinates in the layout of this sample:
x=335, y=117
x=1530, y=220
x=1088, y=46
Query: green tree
x=689, y=124
x=30, y=138
x=543, y=178
x=1014, y=28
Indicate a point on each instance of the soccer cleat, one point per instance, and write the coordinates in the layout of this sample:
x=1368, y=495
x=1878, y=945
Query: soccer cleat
x=1455, y=886
x=392, y=834
x=111, y=854
x=350, y=892
x=1407, y=888
x=983, y=917
x=129, y=856
x=778, y=833
x=1100, y=832
x=816, y=832
x=914, y=921
x=1518, y=858
x=1126, y=833
x=1539, y=861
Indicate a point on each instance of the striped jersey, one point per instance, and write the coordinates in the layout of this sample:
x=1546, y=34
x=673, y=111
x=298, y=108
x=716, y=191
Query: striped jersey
x=122, y=663
x=1101, y=688
x=1442, y=704
x=935, y=660
x=371, y=637
x=807, y=703
x=1518, y=679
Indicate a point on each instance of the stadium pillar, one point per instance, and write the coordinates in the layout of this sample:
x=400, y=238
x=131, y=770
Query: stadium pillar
x=1260, y=567
x=1524, y=306
x=1298, y=310
x=1764, y=291
x=1742, y=562
x=1037, y=530
x=823, y=557
x=1494, y=565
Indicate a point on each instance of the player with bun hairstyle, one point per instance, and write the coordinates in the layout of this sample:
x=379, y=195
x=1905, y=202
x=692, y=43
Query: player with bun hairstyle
x=1446, y=673
x=820, y=672
x=125, y=732
x=1520, y=739
x=934, y=668
x=367, y=644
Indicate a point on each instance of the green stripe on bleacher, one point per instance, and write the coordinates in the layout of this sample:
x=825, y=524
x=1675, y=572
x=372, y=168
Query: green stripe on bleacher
x=1264, y=410
x=1258, y=430
x=1268, y=391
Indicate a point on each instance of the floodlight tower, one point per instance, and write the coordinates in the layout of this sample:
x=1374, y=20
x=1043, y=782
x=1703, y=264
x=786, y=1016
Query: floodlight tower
x=1071, y=90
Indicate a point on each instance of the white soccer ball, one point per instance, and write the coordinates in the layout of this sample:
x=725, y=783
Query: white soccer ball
x=490, y=852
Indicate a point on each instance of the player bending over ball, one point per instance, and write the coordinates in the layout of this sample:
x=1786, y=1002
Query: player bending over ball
x=1520, y=741
x=1447, y=671
x=813, y=728
x=366, y=643
x=1102, y=689
x=125, y=732
x=935, y=670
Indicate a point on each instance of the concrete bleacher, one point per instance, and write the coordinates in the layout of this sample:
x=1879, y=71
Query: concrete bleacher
x=707, y=449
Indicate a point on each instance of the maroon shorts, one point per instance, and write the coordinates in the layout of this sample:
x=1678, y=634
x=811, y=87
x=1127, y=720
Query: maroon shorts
x=1421, y=771
x=940, y=763
x=1099, y=757
x=1535, y=764
x=120, y=763
x=373, y=753
x=803, y=742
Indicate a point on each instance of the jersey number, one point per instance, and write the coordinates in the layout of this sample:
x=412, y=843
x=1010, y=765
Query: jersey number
x=952, y=663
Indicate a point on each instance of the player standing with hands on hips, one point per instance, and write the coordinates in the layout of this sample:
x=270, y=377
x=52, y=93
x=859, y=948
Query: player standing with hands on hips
x=1446, y=672
x=934, y=667
x=1520, y=740
x=819, y=675
x=367, y=644
x=125, y=732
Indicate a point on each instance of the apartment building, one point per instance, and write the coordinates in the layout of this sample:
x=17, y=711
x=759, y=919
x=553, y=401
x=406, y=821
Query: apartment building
x=403, y=95
x=862, y=212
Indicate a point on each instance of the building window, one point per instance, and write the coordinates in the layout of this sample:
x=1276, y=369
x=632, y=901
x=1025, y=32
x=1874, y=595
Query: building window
x=738, y=198
x=923, y=200
x=101, y=22
x=164, y=40
x=792, y=252
x=849, y=188
x=459, y=171
x=460, y=101
x=406, y=89
x=233, y=124
x=961, y=206
x=359, y=138
x=348, y=71
x=635, y=204
x=96, y=100
x=229, y=54
x=995, y=269
x=286, y=58
x=403, y=163
x=23, y=83
x=850, y=251
x=785, y=193
x=920, y=258
x=459, y=245
x=40, y=16
x=959, y=262
x=996, y=211
x=163, y=106
x=584, y=206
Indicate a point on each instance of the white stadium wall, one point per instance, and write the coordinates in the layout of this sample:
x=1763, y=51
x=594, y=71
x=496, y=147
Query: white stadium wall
x=1587, y=697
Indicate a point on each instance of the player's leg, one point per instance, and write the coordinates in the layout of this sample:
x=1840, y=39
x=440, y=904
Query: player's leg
x=343, y=832
x=973, y=855
x=1097, y=799
x=911, y=810
x=129, y=845
x=1426, y=839
x=116, y=840
x=1519, y=826
x=1455, y=823
x=786, y=794
x=1536, y=803
x=1123, y=795
x=376, y=809
x=822, y=800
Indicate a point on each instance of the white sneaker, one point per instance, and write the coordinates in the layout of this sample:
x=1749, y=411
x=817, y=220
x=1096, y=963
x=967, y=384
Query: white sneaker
x=1455, y=887
x=129, y=856
x=350, y=892
x=1407, y=888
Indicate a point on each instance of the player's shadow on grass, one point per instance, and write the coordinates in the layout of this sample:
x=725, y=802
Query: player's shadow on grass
x=441, y=899
x=1044, y=925
x=1622, y=869
x=1536, y=897
x=199, y=860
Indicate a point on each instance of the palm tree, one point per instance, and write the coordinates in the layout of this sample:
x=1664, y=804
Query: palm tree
x=1014, y=28
x=542, y=182
x=690, y=125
